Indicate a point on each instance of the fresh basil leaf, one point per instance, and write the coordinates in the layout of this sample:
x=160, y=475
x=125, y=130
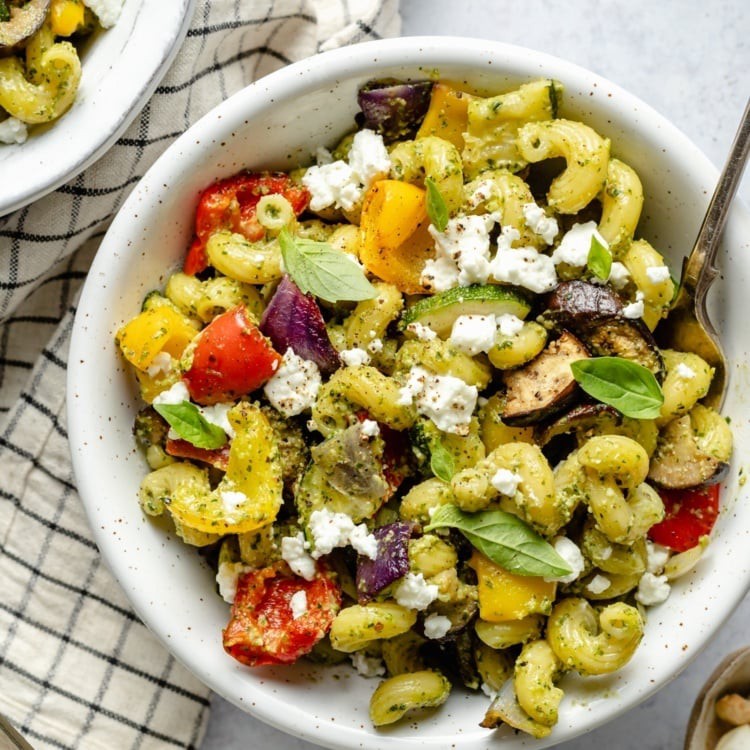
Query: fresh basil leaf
x=316, y=268
x=437, y=210
x=505, y=539
x=629, y=387
x=599, y=259
x=441, y=461
x=187, y=421
x=4, y=12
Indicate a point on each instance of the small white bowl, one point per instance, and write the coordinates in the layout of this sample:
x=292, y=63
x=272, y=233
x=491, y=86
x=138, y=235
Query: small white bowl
x=121, y=67
x=278, y=122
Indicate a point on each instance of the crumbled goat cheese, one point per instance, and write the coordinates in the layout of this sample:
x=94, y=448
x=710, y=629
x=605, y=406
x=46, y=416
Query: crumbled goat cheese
x=331, y=530
x=294, y=553
x=354, y=357
x=684, y=372
x=462, y=253
x=656, y=557
x=598, y=584
x=422, y=332
x=232, y=501
x=367, y=666
x=473, y=334
x=298, y=604
x=177, y=394
x=506, y=482
x=483, y=191
x=657, y=274
x=226, y=578
x=575, y=245
x=217, y=415
x=539, y=223
x=635, y=309
x=107, y=11
x=436, y=626
x=13, y=130
x=446, y=400
x=370, y=428
x=618, y=275
x=338, y=184
x=524, y=266
x=294, y=386
x=652, y=589
x=160, y=364
x=571, y=553
x=509, y=324
x=413, y=592
x=375, y=346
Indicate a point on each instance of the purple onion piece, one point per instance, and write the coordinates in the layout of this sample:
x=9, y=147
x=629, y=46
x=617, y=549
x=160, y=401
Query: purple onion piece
x=394, y=109
x=294, y=319
x=391, y=563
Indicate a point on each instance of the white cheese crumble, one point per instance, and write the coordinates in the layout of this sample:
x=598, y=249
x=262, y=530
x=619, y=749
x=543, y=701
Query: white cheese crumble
x=330, y=530
x=13, y=130
x=367, y=666
x=436, y=626
x=217, y=415
x=354, y=357
x=338, y=184
x=375, y=346
x=618, y=275
x=684, y=372
x=524, y=266
x=473, y=334
x=232, y=501
x=298, y=604
x=422, y=332
x=506, y=482
x=413, y=592
x=462, y=253
x=598, y=584
x=656, y=557
x=652, y=589
x=483, y=191
x=571, y=553
x=509, y=324
x=226, y=578
x=107, y=11
x=294, y=553
x=635, y=309
x=446, y=400
x=575, y=244
x=160, y=364
x=657, y=274
x=177, y=394
x=294, y=386
x=370, y=428
x=539, y=223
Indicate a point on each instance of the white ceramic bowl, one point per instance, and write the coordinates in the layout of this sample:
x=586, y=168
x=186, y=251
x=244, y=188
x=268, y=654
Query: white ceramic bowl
x=121, y=67
x=276, y=123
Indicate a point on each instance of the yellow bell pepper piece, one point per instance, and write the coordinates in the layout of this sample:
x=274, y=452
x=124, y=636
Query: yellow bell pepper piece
x=507, y=596
x=159, y=329
x=249, y=495
x=66, y=16
x=447, y=116
x=394, y=241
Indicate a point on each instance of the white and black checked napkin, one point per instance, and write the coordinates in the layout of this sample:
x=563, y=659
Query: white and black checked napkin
x=78, y=670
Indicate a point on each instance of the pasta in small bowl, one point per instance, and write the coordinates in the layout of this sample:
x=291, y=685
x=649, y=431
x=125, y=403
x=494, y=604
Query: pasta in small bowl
x=390, y=349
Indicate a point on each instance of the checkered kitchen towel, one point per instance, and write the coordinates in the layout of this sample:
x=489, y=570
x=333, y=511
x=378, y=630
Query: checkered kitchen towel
x=77, y=669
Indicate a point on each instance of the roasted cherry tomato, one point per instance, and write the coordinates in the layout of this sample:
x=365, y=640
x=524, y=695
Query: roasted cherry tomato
x=218, y=457
x=690, y=514
x=231, y=204
x=230, y=357
x=262, y=628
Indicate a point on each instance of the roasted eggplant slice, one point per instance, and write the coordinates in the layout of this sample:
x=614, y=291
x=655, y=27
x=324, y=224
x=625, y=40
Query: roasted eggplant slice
x=24, y=22
x=594, y=314
x=580, y=418
x=693, y=451
x=546, y=385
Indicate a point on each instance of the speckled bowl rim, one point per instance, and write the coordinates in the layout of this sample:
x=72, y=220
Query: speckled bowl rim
x=86, y=426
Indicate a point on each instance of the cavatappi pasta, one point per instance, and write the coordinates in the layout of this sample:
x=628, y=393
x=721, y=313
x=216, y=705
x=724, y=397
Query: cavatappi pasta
x=365, y=375
x=40, y=70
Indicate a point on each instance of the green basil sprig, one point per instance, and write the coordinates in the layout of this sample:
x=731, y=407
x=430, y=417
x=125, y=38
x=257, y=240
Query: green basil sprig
x=187, y=421
x=599, y=259
x=441, y=461
x=437, y=209
x=505, y=539
x=316, y=268
x=629, y=387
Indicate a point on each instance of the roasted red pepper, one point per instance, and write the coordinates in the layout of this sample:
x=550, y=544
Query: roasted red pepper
x=690, y=514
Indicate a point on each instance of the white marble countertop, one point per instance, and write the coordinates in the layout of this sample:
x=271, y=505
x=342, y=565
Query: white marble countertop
x=688, y=59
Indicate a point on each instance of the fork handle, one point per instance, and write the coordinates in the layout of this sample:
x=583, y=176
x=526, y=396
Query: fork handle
x=699, y=269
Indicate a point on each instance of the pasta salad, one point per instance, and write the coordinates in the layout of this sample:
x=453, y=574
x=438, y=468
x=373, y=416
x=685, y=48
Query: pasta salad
x=40, y=70
x=410, y=401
